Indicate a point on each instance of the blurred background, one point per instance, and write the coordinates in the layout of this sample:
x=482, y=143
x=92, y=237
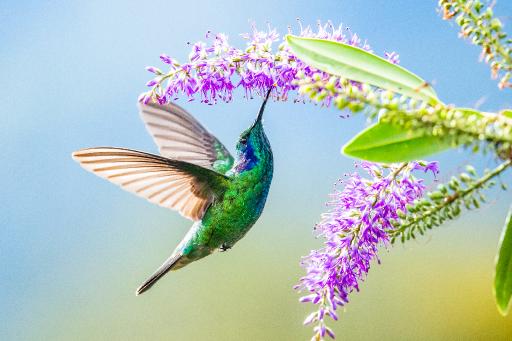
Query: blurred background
x=73, y=247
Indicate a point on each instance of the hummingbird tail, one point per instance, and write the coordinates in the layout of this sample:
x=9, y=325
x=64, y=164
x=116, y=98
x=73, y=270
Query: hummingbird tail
x=159, y=273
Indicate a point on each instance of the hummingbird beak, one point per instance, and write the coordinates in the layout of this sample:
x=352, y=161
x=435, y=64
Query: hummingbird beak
x=262, y=108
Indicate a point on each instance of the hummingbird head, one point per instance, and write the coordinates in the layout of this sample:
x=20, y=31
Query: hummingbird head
x=253, y=146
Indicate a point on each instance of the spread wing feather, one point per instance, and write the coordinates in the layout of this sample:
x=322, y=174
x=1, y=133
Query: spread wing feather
x=175, y=184
x=180, y=136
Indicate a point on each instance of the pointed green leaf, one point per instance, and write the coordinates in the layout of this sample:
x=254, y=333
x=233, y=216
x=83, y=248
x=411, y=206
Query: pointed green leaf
x=386, y=142
x=359, y=65
x=503, y=275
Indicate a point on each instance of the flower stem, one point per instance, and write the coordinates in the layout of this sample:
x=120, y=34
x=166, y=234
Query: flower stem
x=452, y=198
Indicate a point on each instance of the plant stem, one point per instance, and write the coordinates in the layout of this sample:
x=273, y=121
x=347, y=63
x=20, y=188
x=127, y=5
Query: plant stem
x=450, y=199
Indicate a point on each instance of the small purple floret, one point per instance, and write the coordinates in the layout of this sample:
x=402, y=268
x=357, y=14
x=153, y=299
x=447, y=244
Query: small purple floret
x=392, y=57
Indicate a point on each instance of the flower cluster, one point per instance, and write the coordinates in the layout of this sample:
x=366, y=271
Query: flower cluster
x=361, y=217
x=215, y=69
x=477, y=23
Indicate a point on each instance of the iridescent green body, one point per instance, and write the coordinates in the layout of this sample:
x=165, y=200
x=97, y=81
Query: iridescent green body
x=230, y=216
x=238, y=193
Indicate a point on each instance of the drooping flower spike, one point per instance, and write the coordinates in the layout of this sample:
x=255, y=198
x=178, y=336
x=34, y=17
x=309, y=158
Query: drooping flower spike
x=215, y=69
x=360, y=218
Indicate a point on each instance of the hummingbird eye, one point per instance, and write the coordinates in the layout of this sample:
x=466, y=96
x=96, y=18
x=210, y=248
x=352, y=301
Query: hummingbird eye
x=243, y=140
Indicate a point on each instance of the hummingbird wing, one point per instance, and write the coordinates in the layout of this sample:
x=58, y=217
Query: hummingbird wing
x=174, y=184
x=180, y=136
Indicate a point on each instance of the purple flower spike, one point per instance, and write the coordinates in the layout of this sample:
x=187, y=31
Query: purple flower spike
x=215, y=68
x=360, y=218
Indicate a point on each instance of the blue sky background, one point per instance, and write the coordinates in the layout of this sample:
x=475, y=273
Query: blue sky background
x=73, y=248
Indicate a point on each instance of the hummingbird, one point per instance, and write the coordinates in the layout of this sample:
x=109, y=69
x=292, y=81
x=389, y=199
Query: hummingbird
x=194, y=175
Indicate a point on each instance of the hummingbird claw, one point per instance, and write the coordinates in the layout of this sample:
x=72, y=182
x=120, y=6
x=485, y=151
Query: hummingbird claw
x=224, y=247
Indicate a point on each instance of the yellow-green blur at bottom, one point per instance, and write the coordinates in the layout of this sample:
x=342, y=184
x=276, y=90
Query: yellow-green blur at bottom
x=428, y=289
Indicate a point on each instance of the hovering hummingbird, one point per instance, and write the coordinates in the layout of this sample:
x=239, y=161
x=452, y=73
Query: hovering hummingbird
x=195, y=175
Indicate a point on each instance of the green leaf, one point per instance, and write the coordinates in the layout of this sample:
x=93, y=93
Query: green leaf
x=387, y=142
x=359, y=65
x=507, y=113
x=503, y=275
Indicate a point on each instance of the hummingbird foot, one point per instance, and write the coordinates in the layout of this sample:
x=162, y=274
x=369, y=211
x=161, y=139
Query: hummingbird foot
x=224, y=247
